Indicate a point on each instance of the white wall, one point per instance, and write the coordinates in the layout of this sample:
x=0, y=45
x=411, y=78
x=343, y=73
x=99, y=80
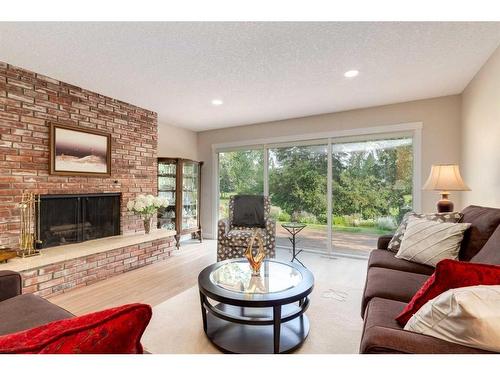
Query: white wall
x=441, y=138
x=481, y=135
x=177, y=142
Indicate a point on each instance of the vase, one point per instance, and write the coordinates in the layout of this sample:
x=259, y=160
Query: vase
x=147, y=224
x=255, y=260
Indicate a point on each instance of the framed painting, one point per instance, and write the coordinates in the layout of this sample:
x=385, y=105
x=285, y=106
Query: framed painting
x=78, y=151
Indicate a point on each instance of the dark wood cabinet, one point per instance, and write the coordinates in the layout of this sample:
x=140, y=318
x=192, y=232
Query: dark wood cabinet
x=179, y=181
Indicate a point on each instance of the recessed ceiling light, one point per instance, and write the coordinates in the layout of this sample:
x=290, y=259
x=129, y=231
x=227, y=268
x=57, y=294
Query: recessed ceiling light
x=217, y=102
x=351, y=73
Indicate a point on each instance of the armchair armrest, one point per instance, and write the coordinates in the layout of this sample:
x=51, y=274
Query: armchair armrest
x=271, y=227
x=10, y=284
x=270, y=237
x=383, y=241
x=223, y=227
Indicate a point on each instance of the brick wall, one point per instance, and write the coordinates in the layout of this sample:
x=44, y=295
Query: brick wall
x=60, y=277
x=28, y=101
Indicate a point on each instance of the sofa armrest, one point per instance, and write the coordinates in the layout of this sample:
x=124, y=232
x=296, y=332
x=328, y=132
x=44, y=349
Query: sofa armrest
x=383, y=241
x=10, y=284
x=378, y=339
x=223, y=228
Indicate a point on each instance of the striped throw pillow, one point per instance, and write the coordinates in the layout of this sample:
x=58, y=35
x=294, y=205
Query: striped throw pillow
x=428, y=242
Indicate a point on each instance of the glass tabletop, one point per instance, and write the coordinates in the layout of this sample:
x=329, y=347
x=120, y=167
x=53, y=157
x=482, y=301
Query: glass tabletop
x=237, y=277
x=293, y=225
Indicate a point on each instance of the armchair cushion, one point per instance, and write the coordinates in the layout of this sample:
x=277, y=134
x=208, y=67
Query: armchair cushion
x=235, y=235
x=248, y=211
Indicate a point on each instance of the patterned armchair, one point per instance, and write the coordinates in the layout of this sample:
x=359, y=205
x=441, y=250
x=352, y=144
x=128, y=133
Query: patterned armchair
x=232, y=239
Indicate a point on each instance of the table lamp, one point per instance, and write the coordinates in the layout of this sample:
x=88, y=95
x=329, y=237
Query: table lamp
x=445, y=178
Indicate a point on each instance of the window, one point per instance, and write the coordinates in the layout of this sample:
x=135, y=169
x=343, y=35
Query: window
x=240, y=172
x=347, y=191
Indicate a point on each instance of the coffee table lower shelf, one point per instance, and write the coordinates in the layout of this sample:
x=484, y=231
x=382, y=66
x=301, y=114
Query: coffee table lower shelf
x=231, y=337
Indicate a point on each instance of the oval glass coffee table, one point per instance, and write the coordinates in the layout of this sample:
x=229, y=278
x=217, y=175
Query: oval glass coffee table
x=255, y=314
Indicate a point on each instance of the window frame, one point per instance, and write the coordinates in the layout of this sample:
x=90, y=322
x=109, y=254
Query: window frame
x=411, y=130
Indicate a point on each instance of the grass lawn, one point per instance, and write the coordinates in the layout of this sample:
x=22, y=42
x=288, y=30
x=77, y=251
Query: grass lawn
x=338, y=228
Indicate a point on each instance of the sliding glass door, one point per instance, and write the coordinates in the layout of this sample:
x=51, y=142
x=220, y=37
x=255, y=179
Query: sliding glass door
x=371, y=190
x=298, y=192
x=347, y=192
x=240, y=172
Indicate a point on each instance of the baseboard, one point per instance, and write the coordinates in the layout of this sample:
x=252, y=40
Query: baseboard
x=208, y=236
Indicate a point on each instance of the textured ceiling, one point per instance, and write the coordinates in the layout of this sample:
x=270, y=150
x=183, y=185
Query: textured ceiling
x=262, y=71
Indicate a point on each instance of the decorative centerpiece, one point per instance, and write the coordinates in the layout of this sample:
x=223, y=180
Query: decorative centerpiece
x=255, y=260
x=146, y=207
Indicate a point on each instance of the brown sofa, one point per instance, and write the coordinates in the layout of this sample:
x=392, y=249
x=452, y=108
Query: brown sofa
x=24, y=311
x=392, y=282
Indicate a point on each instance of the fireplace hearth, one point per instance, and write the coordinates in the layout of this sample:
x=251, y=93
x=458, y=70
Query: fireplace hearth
x=72, y=218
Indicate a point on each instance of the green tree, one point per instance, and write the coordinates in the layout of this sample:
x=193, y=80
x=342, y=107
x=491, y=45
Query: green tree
x=241, y=172
x=297, y=180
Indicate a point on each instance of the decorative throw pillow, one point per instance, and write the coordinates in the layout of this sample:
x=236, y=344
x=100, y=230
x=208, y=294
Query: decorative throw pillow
x=113, y=331
x=450, y=274
x=249, y=211
x=466, y=316
x=446, y=217
x=428, y=242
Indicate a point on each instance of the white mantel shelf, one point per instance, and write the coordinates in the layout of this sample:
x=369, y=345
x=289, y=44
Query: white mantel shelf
x=73, y=251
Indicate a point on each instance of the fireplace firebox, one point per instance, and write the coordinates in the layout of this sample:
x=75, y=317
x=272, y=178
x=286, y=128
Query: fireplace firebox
x=72, y=218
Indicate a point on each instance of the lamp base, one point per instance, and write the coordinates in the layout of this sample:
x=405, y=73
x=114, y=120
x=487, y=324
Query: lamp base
x=444, y=204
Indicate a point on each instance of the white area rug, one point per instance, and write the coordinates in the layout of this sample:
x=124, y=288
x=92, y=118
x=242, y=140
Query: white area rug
x=334, y=313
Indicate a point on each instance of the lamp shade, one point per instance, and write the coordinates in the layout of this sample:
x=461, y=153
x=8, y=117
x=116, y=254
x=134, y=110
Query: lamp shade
x=445, y=177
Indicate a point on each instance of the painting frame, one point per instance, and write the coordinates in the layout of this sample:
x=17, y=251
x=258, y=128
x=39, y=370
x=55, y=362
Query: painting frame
x=54, y=126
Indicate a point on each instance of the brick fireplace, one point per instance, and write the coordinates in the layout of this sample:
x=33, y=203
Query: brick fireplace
x=28, y=101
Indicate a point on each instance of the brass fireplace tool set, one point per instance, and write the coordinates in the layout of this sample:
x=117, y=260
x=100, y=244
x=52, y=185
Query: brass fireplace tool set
x=29, y=238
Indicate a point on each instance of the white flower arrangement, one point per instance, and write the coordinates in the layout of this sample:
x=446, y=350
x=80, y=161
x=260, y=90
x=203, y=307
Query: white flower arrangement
x=146, y=205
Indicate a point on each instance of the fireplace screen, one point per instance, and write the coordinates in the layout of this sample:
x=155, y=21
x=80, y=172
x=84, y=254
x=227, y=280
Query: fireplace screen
x=66, y=219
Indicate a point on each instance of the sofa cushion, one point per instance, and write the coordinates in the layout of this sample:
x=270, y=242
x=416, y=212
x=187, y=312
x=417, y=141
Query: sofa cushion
x=391, y=284
x=386, y=259
x=484, y=221
x=450, y=274
x=490, y=252
x=27, y=311
x=382, y=334
x=113, y=331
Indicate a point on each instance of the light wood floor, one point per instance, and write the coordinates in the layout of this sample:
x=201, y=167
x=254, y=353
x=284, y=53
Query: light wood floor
x=152, y=284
